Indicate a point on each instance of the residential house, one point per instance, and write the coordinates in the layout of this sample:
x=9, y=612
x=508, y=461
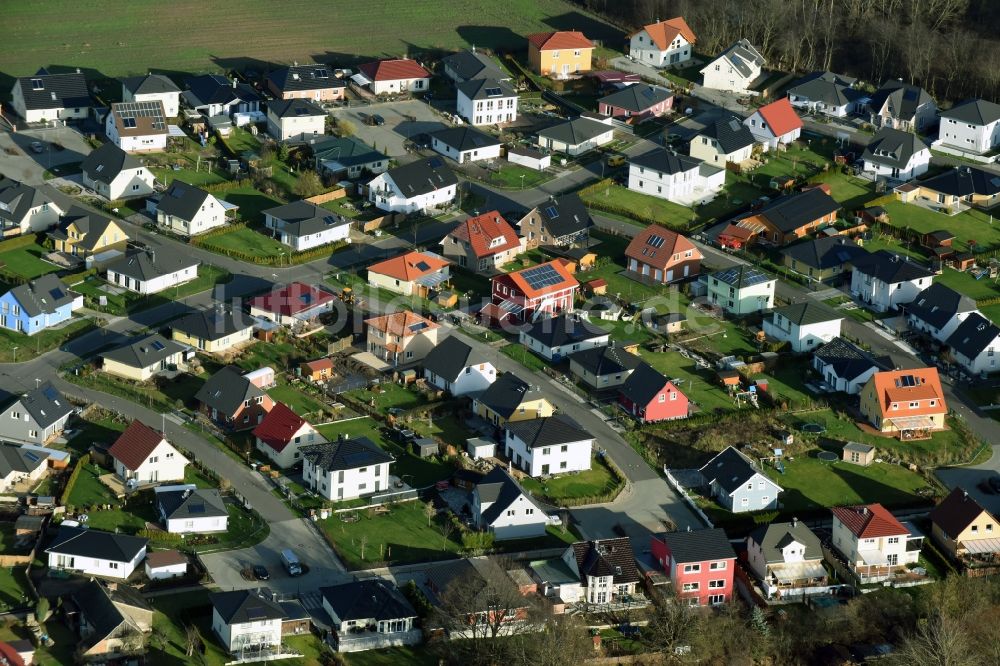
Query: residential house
x=605, y=568
x=213, y=330
x=187, y=509
x=188, y=210
x=295, y=120
x=575, y=137
x=561, y=221
x=39, y=304
x=872, y=541
x=663, y=256
x=455, y=367
x=165, y=564
x=500, y=506
x=974, y=345
x=486, y=101
x=85, y=234
x=393, y=76
x=482, y=243
x=283, y=433
x=907, y=403
x=114, y=174
x=247, y=622
x=347, y=156
x=723, y=141
x=737, y=485
x=112, y=621
x=511, y=399
x=971, y=126
x=346, y=468
x=962, y=527
x=603, y=367
x=825, y=259
x=47, y=97
x=734, y=69
x=896, y=155
x=775, y=124
x=683, y=180
x=557, y=337
x=549, y=445
x=312, y=82
x=663, y=43
x=410, y=274
x=884, y=280
x=699, y=563
x=650, y=397
x=525, y=295
x=475, y=584
x=902, y=106
x=152, y=271
x=417, y=186
x=471, y=64
x=35, y=417
x=95, y=553
x=153, y=88
x=369, y=614
x=213, y=95
x=233, y=401
x=25, y=208
x=528, y=157
x=846, y=367
x=465, y=143
x=559, y=54
x=302, y=225
x=787, y=559
x=19, y=464
x=959, y=188
x=143, y=358
x=137, y=127
x=741, y=290
x=142, y=455
x=938, y=310
x=401, y=338
x=291, y=304
x=638, y=102
x=805, y=325
x=827, y=93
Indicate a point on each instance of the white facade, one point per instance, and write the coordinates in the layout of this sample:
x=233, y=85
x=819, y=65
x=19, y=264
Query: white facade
x=157, y=284
x=330, y=234
x=985, y=362
x=491, y=111
x=473, y=378
x=741, y=301
x=890, y=550
x=138, y=143
x=720, y=74
x=166, y=571
x=941, y=334
x=58, y=111
x=973, y=138
x=686, y=188
x=573, y=150
x=806, y=104
x=15, y=477
x=127, y=184
x=93, y=566
x=883, y=296
x=803, y=338
x=557, y=352
x=237, y=635
x=463, y=156
x=212, y=214
x=521, y=520
x=765, y=135
x=288, y=456
x=642, y=48
x=707, y=149
x=848, y=386
x=165, y=463
x=384, y=193
x=916, y=166
x=345, y=484
x=400, y=85
x=285, y=128
x=539, y=163
x=41, y=218
x=545, y=460
x=171, y=100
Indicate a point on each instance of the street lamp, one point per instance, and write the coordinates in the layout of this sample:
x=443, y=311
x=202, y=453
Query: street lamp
x=15, y=354
x=522, y=181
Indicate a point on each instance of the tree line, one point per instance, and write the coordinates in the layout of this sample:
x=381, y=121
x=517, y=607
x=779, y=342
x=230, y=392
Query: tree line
x=949, y=47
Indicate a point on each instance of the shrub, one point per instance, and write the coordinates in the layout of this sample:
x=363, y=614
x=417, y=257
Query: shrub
x=74, y=475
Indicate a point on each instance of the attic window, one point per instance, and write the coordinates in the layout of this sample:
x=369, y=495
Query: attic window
x=37, y=84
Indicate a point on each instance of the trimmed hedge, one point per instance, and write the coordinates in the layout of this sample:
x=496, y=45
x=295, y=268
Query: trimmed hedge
x=218, y=231
x=74, y=475
x=18, y=242
x=77, y=278
x=228, y=185
x=601, y=498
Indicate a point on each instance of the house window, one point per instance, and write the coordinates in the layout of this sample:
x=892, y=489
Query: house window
x=691, y=587
x=692, y=568
x=662, y=398
x=745, y=501
x=717, y=566
x=564, y=448
x=765, y=499
x=716, y=584
x=112, y=565
x=716, y=599
x=892, y=540
x=510, y=512
x=545, y=451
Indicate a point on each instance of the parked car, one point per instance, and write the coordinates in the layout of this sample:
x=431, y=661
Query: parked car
x=260, y=572
x=377, y=119
x=36, y=147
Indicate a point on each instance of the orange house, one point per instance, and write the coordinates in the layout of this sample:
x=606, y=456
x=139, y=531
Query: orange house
x=794, y=216
x=318, y=371
x=559, y=54
x=906, y=403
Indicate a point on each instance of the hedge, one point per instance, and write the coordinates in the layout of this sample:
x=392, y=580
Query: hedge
x=218, y=231
x=18, y=242
x=74, y=475
x=228, y=185
x=77, y=278
x=272, y=260
x=600, y=204
x=601, y=498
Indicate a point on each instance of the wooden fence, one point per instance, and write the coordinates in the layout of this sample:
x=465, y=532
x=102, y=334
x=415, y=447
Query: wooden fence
x=332, y=195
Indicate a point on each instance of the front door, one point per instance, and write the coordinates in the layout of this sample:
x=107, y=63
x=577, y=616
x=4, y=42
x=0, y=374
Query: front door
x=565, y=70
x=545, y=469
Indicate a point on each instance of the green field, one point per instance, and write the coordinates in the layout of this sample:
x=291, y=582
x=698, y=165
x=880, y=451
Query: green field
x=594, y=482
x=972, y=225
x=251, y=202
x=21, y=347
x=26, y=262
x=699, y=385
x=248, y=241
x=520, y=353
x=644, y=206
x=518, y=177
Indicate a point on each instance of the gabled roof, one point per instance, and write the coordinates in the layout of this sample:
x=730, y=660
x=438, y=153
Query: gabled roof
x=422, y=177
x=827, y=87
x=486, y=88
x=101, y=607
x=566, y=39
x=937, y=304
x=902, y=386
x=974, y=112
x=294, y=108
x=245, y=606
x=825, y=252
x=144, y=265
x=780, y=117
x=291, y=299
x=808, y=312
x=869, y=521
x=465, y=137
x=742, y=56
x=19, y=459
x=304, y=77
x=410, y=266
x=151, y=84
x=637, y=98
x=139, y=118
x=227, y=390
x=565, y=215
x=602, y=361
x=500, y=490
x=45, y=404
x=403, y=324
x=563, y=329
x=54, y=91
x=576, y=131
x=469, y=65
x=973, y=336
x=542, y=279
x=730, y=469
x=345, y=454
x=775, y=536
x=643, y=385
x=43, y=295
x=656, y=246
x=606, y=557
x=963, y=181
x=89, y=226
x=96, y=544
x=144, y=351
x=730, y=132
x=164, y=558
x=849, y=361
x=697, y=546
x=903, y=99
x=893, y=147
x=549, y=431
x=891, y=268
x=393, y=70
x=182, y=200
x=212, y=323
x=665, y=161
x=191, y=503
x=214, y=89
x=347, y=151
x=450, y=357
x=134, y=446
x=279, y=426
x=371, y=599
x=956, y=512
x=303, y=218
x=487, y=234
x=664, y=33
x=104, y=164
x=507, y=393
x=742, y=276
x=17, y=198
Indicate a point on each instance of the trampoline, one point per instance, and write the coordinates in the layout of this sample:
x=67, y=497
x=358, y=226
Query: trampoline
x=815, y=428
x=828, y=456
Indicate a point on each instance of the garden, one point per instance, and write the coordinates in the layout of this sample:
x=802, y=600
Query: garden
x=121, y=302
x=596, y=485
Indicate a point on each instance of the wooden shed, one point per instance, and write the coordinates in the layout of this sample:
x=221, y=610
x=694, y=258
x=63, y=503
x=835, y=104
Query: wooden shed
x=859, y=454
x=318, y=370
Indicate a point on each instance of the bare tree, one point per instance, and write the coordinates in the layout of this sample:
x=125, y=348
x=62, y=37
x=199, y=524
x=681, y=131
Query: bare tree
x=429, y=509
x=939, y=640
x=446, y=527
x=670, y=630
x=192, y=639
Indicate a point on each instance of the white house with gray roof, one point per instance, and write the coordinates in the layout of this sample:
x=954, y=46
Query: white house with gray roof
x=143, y=358
x=295, y=119
x=787, y=559
x=19, y=464
x=895, y=155
x=846, y=367
x=153, y=88
x=188, y=210
x=369, y=614
x=466, y=144
x=500, y=506
x=418, y=186
x=740, y=290
x=302, y=225
x=455, y=367
x=247, y=622
x=725, y=140
x=737, y=485
x=35, y=417
x=603, y=367
x=577, y=136
x=96, y=553
x=187, y=509
x=902, y=106
x=678, y=178
x=151, y=271
x=25, y=208
x=486, y=101
x=46, y=97
x=547, y=446
x=884, y=281
x=804, y=326
x=734, y=69
x=938, y=310
x=975, y=345
x=827, y=93
x=114, y=174
x=971, y=126
x=346, y=468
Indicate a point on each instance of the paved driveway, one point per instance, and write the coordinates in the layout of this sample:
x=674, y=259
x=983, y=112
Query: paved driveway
x=17, y=161
x=398, y=127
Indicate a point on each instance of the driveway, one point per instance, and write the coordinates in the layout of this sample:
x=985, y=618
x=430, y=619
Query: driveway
x=17, y=160
x=403, y=120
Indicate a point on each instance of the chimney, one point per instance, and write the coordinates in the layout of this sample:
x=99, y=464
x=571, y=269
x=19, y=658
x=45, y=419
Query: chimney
x=795, y=522
x=77, y=70
x=234, y=83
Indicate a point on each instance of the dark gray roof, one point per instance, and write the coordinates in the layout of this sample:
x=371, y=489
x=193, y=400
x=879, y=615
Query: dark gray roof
x=643, y=384
x=149, y=85
x=893, y=147
x=974, y=112
x=371, y=599
x=245, y=606
x=903, y=99
x=43, y=295
x=794, y=211
x=214, y=89
x=825, y=252
x=665, y=161
x=741, y=55
x=450, y=357
x=637, y=97
x=144, y=352
x=937, y=304
x=45, y=404
x=563, y=329
x=212, y=323
x=227, y=390
x=465, y=137
x=54, y=91
x=105, y=163
x=973, y=336
x=92, y=225
x=698, y=545
x=197, y=503
x=576, y=131
x=488, y=88
x=730, y=132
x=17, y=198
x=14, y=458
x=831, y=89
x=98, y=605
x=730, y=469
x=304, y=77
x=507, y=393
x=345, y=454
x=772, y=538
x=501, y=490
x=565, y=215
x=849, y=361
x=963, y=181
x=143, y=265
x=346, y=150
x=549, y=431
x=422, y=177
x=472, y=65
x=294, y=108
x=891, y=268
x=741, y=276
x=303, y=218
x=808, y=312
x=606, y=557
x=606, y=360
x=80, y=542
x=182, y=200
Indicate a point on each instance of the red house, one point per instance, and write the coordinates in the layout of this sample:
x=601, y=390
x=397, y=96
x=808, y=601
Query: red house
x=649, y=396
x=517, y=296
x=662, y=255
x=700, y=564
x=639, y=101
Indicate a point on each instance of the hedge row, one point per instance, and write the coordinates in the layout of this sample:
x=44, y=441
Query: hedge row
x=74, y=475
x=228, y=185
x=218, y=231
x=601, y=498
x=77, y=278
x=273, y=260
x=600, y=204
x=18, y=242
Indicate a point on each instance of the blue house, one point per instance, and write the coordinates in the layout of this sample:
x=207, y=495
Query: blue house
x=37, y=305
x=737, y=485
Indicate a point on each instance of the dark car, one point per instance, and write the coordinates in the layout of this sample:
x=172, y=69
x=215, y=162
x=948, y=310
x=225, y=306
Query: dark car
x=377, y=119
x=260, y=572
x=36, y=147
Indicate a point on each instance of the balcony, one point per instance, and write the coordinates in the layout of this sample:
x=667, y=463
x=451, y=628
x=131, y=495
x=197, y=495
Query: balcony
x=373, y=640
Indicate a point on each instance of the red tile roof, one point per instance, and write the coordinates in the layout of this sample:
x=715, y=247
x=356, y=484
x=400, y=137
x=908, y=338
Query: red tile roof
x=656, y=246
x=9, y=655
x=891, y=386
x=134, y=446
x=664, y=32
x=393, y=70
x=780, y=117
x=567, y=281
x=278, y=427
x=869, y=521
x=410, y=266
x=319, y=364
x=552, y=41
x=480, y=231
x=291, y=299
x=403, y=323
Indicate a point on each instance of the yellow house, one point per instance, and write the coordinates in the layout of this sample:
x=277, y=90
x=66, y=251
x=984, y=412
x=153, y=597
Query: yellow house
x=962, y=527
x=84, y=234
x=509, y=399
x=559, y=54
x=213, y=331
x=143, y=359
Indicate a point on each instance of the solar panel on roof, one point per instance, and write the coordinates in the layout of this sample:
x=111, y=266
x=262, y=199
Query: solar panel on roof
x=196, y=508
x=358, y=458
x=158, y=346
x=423, y=265
x=31, y=456
x=655, y=241
x=128, y=123
x=734, y=125
x=329, y=219
x=551, y=212
x=418, y=326
x=435, y=162
x=540, y=277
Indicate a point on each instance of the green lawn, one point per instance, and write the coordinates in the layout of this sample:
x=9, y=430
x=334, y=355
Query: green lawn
x=161, y=398
x=402, y=656
x=991, y=312
x=197, y=176
x=737, y=196
x=388, y=395
x=128, y=302
x=595, y=481
x=786, y=381
x=520, y=353
x=99, y=430
x=248, y=241
x=302, y=404
x=21, y=347
x=699, y=385
x=510, y=175
x=450, y=428
x=966, y=284
x=640, y=206
x=13, y=588
x=26, y=262
x=892, y=244
x=251, y=202
x=626, y=332
x=972, y=225
x=851, y=192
